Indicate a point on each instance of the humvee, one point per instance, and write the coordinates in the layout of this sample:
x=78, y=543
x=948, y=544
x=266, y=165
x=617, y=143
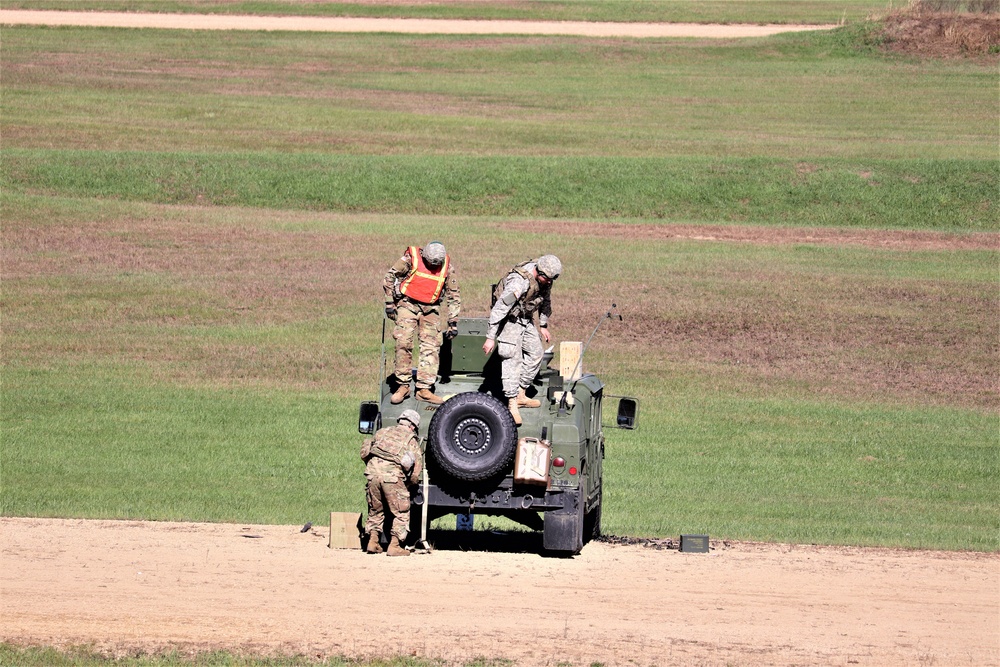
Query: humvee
x=545, y=474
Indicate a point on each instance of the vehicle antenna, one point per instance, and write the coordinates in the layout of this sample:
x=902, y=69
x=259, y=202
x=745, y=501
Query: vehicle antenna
x=381, y=363
x=611, y=314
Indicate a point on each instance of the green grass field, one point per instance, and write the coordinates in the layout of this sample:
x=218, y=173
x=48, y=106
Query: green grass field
x=195, y=227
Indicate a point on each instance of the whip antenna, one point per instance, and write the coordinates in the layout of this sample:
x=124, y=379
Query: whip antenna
x=611, y=314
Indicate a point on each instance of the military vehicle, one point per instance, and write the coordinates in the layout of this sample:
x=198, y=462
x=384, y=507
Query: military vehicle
x=545, y=474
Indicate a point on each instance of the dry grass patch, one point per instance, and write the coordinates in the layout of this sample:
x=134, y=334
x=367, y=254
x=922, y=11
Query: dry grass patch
x=292, y=299
x=936, y=29
x=888, y=239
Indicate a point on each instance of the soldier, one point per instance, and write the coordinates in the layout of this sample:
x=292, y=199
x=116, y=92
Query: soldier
x=414, y=289
x=522, y=292
x=392, y=460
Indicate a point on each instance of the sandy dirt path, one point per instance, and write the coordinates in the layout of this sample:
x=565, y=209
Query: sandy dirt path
x=413, y=26
x=149, y=586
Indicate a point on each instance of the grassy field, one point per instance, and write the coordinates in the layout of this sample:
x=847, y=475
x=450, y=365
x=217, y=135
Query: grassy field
x=206, y=364
x=706, y=11
x=795, y=97
x=195, y=226
x=677, y=130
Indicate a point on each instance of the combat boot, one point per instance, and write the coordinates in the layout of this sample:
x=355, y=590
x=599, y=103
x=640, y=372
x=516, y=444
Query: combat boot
x=524, y=402
x=400, y=394
x=396, y=547
x=429, y=396
x=512, y=404
x=374, y=546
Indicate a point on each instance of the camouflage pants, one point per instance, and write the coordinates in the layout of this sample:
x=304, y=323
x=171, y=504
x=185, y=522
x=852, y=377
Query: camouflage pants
x=520, y=348
x=424, y=321
x=393, y=495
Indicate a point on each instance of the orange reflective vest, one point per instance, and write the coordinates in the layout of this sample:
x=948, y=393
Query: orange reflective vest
x=424, y=284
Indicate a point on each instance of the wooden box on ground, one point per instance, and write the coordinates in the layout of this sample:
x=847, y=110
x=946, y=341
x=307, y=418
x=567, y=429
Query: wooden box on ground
x=345, y=530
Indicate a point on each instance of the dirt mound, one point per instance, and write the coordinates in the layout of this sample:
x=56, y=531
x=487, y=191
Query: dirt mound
x=943, y=34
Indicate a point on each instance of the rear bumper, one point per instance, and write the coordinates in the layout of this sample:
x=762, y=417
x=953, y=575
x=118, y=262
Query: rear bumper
x=501, y=498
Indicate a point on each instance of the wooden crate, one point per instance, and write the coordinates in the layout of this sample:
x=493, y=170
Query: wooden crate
x=345, y=530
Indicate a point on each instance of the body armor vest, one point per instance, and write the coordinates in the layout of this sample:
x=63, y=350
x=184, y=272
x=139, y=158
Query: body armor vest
x=424, y=284
x=391, y=443
x=532, y=298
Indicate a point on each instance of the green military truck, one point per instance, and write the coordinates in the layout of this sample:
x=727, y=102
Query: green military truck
x=545, y=474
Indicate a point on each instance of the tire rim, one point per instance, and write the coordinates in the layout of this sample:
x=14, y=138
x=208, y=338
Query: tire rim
x=472, y=436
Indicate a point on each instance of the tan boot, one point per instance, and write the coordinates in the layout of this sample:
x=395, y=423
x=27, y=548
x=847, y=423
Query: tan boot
x=429, y=396
x=400, y=394
x=512, y=404
x=524, y=402
x=373, y=544
x=396, y=547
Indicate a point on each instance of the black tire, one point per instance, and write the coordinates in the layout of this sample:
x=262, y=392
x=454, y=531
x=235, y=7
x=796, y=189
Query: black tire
x=472, y=437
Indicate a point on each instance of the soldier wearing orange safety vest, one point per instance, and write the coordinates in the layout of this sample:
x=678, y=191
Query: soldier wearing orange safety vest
x=415, y=288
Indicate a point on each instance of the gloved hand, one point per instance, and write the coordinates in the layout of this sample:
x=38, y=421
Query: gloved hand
x=452, y=330
x=390, y=311
x=407, y=461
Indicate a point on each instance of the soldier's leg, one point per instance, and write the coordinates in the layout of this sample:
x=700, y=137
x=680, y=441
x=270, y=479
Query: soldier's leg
x=509, y=349
x=532, y=351
x=376, y=516
x=397, y=498
x=429, y=332
x=407, y=320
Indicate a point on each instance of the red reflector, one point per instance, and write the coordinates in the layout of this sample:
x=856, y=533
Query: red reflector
x=558, y=462
x=572, y=470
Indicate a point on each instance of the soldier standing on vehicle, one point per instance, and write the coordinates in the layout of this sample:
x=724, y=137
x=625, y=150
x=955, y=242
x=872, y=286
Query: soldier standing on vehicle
x=523, y=291
x=393, y=461
x=414, y=287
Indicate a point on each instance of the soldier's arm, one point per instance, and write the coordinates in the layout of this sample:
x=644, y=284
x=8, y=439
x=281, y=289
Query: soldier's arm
x=418, y=465
x=545, y=309
x=396, y=272
x=453, y=294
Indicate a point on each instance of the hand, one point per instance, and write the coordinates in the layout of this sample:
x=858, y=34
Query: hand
x=546, y=336
x=390, y=311
x=452, y=330
x=488, y=346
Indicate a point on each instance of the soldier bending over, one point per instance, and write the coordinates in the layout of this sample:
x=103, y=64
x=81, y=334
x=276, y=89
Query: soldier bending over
x=523, y=291
x=392, y=461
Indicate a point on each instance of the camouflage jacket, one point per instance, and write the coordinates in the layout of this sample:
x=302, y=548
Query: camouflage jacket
x=518, y=296
x=384, y=453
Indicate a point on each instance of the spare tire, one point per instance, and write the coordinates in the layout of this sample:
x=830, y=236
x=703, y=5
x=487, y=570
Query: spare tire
x=472, y=436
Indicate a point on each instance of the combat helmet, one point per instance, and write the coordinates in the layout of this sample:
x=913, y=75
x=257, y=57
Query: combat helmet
x=434, y=253
x=411, y=416
x=549, y=265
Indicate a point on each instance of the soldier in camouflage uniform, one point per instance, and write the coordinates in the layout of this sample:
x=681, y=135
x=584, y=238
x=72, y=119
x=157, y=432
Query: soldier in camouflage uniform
x=392, y=461
x=415, y=287
x=524, y=291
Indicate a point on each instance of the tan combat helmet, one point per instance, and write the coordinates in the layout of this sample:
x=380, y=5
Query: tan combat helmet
x=410, y=416
x=434, y=253
x=549, y=265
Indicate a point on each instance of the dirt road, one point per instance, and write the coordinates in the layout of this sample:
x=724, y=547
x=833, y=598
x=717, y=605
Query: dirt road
x=148, y=586
x=412, y=26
